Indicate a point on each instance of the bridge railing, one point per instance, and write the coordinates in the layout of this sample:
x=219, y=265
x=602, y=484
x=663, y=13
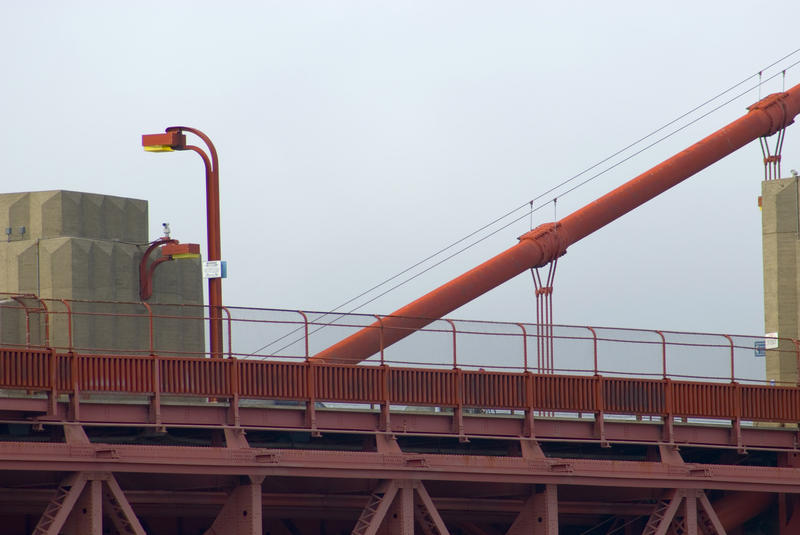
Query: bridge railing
x=451, y=364
x=114, y=328
x=39, y=370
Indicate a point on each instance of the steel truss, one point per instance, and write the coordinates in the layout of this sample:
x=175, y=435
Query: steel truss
x=398, y=501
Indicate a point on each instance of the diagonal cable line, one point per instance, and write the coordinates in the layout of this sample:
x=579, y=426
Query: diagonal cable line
x=399, y=284
x=550, y=191
x=690, y=123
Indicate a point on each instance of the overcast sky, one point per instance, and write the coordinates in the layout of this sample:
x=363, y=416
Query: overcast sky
x=357, y=138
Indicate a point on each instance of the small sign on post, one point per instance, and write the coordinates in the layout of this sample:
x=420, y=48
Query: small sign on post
x=759, y=348
x=215, y=269
x=771, y=341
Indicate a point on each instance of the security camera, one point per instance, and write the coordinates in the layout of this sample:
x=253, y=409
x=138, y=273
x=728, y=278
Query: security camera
x=166, y=229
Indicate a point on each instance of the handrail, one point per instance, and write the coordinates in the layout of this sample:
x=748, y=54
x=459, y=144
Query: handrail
x=34, y=370
x=253, y=325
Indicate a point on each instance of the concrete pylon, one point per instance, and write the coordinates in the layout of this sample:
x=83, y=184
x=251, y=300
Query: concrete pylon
x=87, y=247
x=780, y=217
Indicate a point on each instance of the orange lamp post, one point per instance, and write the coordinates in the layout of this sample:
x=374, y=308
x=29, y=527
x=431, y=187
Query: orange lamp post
x=174, y=139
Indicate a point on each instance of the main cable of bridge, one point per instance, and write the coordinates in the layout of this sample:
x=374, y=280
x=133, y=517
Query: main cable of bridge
x=546, y=194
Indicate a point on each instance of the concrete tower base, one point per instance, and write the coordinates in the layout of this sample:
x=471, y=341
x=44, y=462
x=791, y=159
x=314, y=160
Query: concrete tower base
x=780, y=218
x=87, y=247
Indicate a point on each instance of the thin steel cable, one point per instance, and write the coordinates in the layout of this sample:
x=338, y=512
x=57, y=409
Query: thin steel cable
x=551, y=190
x=670, y=123
x=659, y=140
x=409, y=279
x=555, y=199
x=532, y=201
x=399, y=274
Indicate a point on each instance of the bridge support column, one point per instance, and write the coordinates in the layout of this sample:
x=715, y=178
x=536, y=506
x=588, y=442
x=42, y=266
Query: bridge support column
x=539, y=515
x=241, y=514
x=393, y=510
x=87, y=514
x=400, y=516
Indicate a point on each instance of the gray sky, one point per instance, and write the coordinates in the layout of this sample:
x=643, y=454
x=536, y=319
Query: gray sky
x=356, y=138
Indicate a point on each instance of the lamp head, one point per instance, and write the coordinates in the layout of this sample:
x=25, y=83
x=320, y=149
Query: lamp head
x=166, y=142
x=178, y=251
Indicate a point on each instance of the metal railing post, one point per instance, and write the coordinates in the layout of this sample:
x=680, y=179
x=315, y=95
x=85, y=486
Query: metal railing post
x=156, y=402
x=380, y=336
x=733, y=369
x=69, y=325
x=46, y=322
x=663, y=354
x=594, y=344
x=305, y=330
x=230, y=345
x=797, y=359
x=455, y=354
x=524, y=347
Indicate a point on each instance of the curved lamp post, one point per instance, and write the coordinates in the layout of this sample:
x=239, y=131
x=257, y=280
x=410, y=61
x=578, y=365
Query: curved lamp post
x=174, y=139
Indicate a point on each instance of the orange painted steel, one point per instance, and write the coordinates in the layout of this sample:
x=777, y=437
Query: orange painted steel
x=26, y=368
x=549, y=241
x=65, y=373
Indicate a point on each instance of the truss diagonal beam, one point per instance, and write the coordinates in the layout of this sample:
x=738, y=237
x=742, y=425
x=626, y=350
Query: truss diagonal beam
x=373, y=514
x=97, y=493
x=59, y=508
x=666, y=515
x=399, y=497
x=661, y=517
x=117, y=506
x=710, y=513
x=432, y=514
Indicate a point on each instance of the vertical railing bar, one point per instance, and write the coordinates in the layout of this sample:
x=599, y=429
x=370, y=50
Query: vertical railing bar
x=380, y=336
x=46, y=322
x=156, y=389
x=663, y=354
x=305, y=330
x=76, y=391
x=455, y=357
x=53, y=401
x=594, y=344
x=797, y=359
x=230, y=331
x=733, y=374
x=524, y=347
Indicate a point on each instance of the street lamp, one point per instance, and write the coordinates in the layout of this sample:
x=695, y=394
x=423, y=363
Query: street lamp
x=174, y=139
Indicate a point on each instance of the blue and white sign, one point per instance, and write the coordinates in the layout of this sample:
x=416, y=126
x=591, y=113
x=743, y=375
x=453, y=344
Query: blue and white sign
x=215, y=269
